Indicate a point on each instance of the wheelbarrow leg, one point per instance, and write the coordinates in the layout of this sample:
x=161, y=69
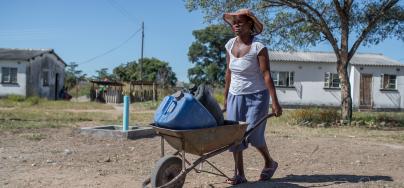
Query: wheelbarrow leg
x=162, y=146
x=183, y=155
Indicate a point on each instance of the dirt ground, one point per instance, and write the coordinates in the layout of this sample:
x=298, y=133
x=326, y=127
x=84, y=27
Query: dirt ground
x=65, y=158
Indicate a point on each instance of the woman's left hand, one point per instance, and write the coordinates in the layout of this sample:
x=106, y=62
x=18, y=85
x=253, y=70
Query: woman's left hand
x=277, y=109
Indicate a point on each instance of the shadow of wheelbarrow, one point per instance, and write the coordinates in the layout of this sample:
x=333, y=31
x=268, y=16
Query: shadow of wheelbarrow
x=328, y=180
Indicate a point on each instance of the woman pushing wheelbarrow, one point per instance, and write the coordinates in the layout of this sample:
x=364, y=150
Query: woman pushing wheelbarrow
x=247, y=89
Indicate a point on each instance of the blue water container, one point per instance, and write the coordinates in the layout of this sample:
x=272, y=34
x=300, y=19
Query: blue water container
x=181, y=111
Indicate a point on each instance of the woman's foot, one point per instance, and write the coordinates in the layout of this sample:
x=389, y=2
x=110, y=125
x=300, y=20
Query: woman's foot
x=267, y=173
x=236, y=180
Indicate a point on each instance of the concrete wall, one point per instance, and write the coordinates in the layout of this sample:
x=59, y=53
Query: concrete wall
x=35, y=82
x=309, y=84
x=20, y=87
x=380, y=99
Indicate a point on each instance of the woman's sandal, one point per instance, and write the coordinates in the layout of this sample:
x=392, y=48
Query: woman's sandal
x=267, y=173
x=236, y=180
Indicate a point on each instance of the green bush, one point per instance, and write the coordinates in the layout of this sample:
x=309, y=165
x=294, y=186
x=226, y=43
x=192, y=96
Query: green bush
x=219, y=98
x=15, y=98
x=33, y=100
x=219, y=95
x=379, y=119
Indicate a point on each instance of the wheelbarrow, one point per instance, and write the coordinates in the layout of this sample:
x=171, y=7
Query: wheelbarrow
x=170, y=170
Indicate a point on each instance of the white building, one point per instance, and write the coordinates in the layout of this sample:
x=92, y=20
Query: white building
x=311, y=79
x=29, y=72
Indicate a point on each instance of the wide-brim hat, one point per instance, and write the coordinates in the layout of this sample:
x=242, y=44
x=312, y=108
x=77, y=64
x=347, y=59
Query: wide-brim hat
x=229, y=18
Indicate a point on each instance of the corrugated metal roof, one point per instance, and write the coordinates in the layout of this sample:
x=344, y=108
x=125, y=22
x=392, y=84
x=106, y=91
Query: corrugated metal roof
x=21, y=54
x=329, y=57
x=24, y=54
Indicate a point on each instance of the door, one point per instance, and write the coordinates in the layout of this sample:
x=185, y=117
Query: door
x=365, y=91
x=56, y=86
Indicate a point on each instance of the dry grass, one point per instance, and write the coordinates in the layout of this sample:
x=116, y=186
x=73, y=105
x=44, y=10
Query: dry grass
x=55, y=114
x=283, y=126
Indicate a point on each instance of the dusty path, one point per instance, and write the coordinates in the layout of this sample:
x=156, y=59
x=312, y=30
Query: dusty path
x=65, y=159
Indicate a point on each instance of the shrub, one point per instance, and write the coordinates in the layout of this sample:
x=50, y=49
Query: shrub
x=314, y=116
x=379, y=119
x=33, y=100
x=15, y=98
x=219, y=95
x=219, y=98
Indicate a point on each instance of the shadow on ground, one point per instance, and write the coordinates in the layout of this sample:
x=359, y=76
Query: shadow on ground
x=292, y=180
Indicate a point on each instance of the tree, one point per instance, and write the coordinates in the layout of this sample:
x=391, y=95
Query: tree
x=153, y=70
x=127, y=72
x=103, y=74
x=73, y=76
x=304, y=23
x=209, y=55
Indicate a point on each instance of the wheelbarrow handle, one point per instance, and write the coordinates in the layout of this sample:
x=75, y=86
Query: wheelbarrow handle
x=258, y=123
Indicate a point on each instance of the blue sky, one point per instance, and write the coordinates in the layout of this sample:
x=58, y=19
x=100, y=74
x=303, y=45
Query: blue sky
x=79, y=30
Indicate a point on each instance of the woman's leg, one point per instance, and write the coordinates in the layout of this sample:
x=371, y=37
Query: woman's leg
x=258, y=108
x=265, y=154
x=239, y=164
x=236, y=111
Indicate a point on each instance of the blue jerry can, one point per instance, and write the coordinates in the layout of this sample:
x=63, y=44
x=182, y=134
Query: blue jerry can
x=182, y=111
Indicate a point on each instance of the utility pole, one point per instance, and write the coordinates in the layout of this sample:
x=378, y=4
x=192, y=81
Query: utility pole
x=141, y=64
x=141, y=55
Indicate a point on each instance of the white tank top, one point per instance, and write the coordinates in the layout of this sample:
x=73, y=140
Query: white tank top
x=246, y=76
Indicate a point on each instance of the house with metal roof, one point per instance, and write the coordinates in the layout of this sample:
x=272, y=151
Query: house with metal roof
x=311, y=79
x=31, y=72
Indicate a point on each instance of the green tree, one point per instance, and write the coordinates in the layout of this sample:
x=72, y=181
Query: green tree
x=304, y=23
x=209, y=55
x=73, y=76
x=103, y=74
x=153, y=70
x=127, y=72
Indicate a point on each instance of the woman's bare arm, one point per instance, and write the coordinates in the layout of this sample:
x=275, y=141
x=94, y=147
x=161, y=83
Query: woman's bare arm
x=263, y=60
x=227, y=80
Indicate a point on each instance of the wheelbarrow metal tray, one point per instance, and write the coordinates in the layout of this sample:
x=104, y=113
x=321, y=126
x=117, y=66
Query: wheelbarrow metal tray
x=201, y=141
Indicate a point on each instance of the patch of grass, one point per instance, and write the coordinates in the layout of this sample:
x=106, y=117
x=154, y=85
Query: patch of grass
x=33, y=136
x=33, y=100
x=15, y=98
x=147, y=105
x=74, y=105
x=19, y=101
x=314, y=116
x=142, y=118
x=378, y=119
x=20, y=125
x=283, y=126
x=35, y=119
x=36, y=102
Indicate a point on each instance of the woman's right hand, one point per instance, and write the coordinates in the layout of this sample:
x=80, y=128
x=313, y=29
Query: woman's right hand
x=277, y=109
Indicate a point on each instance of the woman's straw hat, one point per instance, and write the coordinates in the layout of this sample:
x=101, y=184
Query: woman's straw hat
x=258, y=27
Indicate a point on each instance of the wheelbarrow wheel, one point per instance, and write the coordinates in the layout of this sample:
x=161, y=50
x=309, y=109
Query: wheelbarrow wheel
x=166, y=169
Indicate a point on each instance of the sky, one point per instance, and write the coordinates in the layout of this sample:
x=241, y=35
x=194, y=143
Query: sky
x=106, y=33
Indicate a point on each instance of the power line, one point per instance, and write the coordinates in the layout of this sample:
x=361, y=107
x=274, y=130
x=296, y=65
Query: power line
x=122, y=10
x=110, y=50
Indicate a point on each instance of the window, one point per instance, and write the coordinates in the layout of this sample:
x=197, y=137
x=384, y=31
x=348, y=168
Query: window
x=45, y=77
x=9, y=75
x=331, y=80
x=283, y=79
x=388, y=82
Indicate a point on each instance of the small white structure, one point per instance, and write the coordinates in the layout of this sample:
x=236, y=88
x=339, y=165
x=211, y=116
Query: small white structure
x=29, y=72
x=311, y=79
